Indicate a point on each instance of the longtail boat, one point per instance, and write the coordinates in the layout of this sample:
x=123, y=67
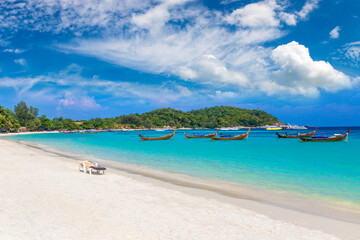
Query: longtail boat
x=210, y=135
x=298, y=135
x=169, y=136
x=237, y=137
x=335, y=137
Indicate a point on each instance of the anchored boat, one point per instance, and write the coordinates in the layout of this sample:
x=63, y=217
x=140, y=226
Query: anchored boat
x=274, y=128
x=210, y=135
x=298, y=135
x=230, y=137
x=335, y=137
x=166, y=137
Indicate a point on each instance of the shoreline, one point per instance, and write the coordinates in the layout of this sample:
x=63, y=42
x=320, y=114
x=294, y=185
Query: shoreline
x=328, y=219
x=25, y=133
x=325, y=205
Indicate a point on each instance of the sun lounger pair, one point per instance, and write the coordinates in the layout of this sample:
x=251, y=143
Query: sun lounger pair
x=90, y=167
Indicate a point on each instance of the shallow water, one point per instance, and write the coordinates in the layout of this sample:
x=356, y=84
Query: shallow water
x=323, y=170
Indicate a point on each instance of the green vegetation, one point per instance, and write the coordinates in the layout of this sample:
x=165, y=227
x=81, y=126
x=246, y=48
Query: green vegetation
x=24, y=114
x=8, y=121
x=214, y=117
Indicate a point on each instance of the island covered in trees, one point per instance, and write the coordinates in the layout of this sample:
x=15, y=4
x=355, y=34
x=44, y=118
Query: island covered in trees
x=213, y=117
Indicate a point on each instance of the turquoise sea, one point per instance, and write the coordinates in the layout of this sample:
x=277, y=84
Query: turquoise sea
x=322, y=170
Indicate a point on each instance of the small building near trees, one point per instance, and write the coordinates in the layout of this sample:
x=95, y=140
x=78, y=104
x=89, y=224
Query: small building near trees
x=22, y=129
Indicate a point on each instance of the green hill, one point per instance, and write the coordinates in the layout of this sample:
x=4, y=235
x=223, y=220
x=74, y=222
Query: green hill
x=231, y=116
x=213, y=117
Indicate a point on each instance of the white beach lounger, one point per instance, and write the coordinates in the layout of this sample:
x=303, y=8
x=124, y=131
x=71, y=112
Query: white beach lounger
x=90, y=167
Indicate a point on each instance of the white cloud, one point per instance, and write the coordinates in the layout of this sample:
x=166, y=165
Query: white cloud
x=269, y=13
x=292, y=18
x=208, y=69
x=68, y=15
x=169, y=53
x=260, y=14
x=288, y=18
x=353, y=44
x=20, y=61
x=222, y=95
x=78, y=100
x=299, y=74
x=156, y=17
x=186, y=73
x=20, y=84
x=161, y=93
x=184, y=51
x=335, y=32
x=309, y=6
x=185, y=31
x=352, y=53
x=68, y=86
x=179, y=37
x=155, y=44
x=67, y=101
x=225, y=2
x=206, y=53
x=11, y=50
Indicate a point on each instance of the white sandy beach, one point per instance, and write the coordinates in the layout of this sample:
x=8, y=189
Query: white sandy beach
x=44, y=196
x=25, y=133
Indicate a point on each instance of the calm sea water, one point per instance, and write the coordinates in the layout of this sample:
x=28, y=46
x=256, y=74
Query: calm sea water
x=326, y=170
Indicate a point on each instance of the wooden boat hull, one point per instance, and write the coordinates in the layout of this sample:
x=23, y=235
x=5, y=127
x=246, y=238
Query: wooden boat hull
x=329, y=139
x=238, y=137
x=210, y=135
x=206, y=136
x=284, y=136
x=310, y=134
x=166, y=137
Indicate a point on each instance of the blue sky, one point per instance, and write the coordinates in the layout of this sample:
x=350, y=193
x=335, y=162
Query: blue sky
x=298, y=60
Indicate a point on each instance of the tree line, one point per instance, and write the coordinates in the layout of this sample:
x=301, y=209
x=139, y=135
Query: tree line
x=213, y=117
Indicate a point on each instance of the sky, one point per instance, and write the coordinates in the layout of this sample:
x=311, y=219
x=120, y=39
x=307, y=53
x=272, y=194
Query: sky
x=296, y=59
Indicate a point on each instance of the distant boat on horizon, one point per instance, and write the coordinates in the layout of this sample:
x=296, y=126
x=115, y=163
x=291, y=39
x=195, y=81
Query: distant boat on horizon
x=274, y=128
x=296, y=127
